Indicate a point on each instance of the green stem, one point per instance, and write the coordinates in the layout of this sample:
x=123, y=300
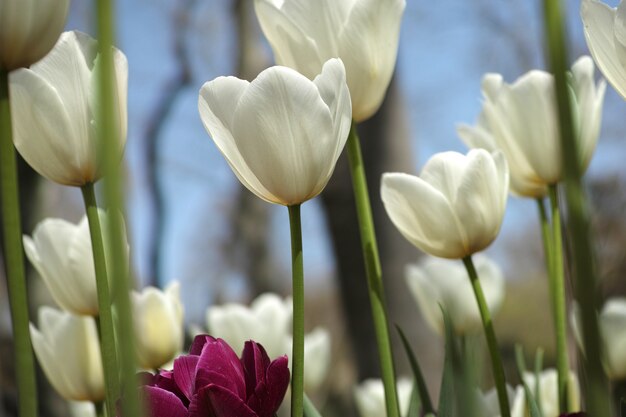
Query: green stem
x=99, y=406
x=490, y=334
x=105, y=318
x=558, y=302
x=583, y=268
x=546, y=237
x=373, y=271
x=14, y=259
x=297, y=355
x=109, y=139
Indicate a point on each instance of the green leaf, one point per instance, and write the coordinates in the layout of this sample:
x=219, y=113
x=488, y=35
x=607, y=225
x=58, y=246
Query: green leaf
x=415, y=405
x=420, y=383
x=447, y=397
x=309, y=408
x=535, y=411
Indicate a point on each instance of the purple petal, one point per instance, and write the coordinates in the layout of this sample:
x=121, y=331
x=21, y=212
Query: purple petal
x=268, y=395
x=216, y=401
x=162, y=403
x=165, y=380
x=220, y=365
x=185, y=374
x=255, y=362
x=199, y=342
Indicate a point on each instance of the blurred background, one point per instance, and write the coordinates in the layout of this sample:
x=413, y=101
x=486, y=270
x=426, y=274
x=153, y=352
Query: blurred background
x=189, y=219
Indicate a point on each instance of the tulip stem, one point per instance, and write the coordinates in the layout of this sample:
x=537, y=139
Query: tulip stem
x=373, y=271
x=105, y=318
x=490, y=334
x=558, y=301
x=297, y=354
x=583, y=267
x=14, y=259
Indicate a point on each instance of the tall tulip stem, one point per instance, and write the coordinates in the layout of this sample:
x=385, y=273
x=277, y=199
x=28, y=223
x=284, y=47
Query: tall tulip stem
x=558, y=301
x=108, y=140
x=583, y=267
x=14, y=259
x=297, y=354
x=105, y=318
x=490, y=334
x=373, y=271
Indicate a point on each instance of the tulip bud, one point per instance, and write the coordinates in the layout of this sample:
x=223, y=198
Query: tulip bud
x=282, y=133
x=363, y=33
x=54, y=114
x=369, y=396
x=455, y=207
x=438, y=283
x=29, y=29
x=158, y=317
x=68, y=350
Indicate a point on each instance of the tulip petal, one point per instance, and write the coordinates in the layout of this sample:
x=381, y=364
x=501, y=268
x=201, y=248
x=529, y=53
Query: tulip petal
x=613, y=328
x=276, y=383
x=599, y=22
x=198, y=343
x=288, y=153
x=255, y=361
x=217, y=401
x=368, y=45
x=163, y=403
x=185, y=374
x=220, y=365
x=423, y=215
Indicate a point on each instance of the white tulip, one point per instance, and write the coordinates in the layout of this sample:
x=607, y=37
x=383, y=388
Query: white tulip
x=455, y=207
x=68, y=350
x=29, y=29
x=158, y=317
x=317, y=351
x=267, y=321
x=281, y=133
x=82, y=409
x=612, y=322
x=437, y=283
x=605, y=32
x=363, y=33
x=548, y=392
x=54, y=114
x=521, y=119
x=369, y=396
x=490, y=405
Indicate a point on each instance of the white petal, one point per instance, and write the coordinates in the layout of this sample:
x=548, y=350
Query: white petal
x=613, y=330
x=598, y=21
x=284, y=132
x=426, y=295
x=423, y=215
x=317, y=358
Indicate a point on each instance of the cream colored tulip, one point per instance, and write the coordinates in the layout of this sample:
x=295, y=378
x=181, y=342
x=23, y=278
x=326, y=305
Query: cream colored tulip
x=159, y=331
x=282, y=133
x=521, y=120
x=29, y=29
x=54, y=114
x=439, y=283
x=68, y=350
x=612, y=322
x=363, y=33
x=369, y=396
x=455, y=207
x=605, y=32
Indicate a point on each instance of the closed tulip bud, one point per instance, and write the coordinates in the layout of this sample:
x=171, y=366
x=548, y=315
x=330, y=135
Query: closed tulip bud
x=54, y=114
x=68, y=350
x=29, y=29
x=521, y=120
x=282, y=133
x=605, y=33
x=438, y=283
x=612, y=321
x=61, y=253
x=158, y=317
x=363, y=33
x=455, y=207
x=369, y=396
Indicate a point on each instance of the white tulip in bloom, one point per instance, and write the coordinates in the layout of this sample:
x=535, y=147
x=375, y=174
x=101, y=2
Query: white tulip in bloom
x=68, y=350
x=29, y=29
x=437, y=283
x=612, y=321
x=158, y=317
x=548, y=391
x=363, y=33
x=369, y=396
x=605, y=33
x=53, y=109
x=281, y=133
x=455, y=207
x=521, y=119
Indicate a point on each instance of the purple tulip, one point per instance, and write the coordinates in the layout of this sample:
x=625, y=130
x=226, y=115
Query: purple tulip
x=213, y=382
